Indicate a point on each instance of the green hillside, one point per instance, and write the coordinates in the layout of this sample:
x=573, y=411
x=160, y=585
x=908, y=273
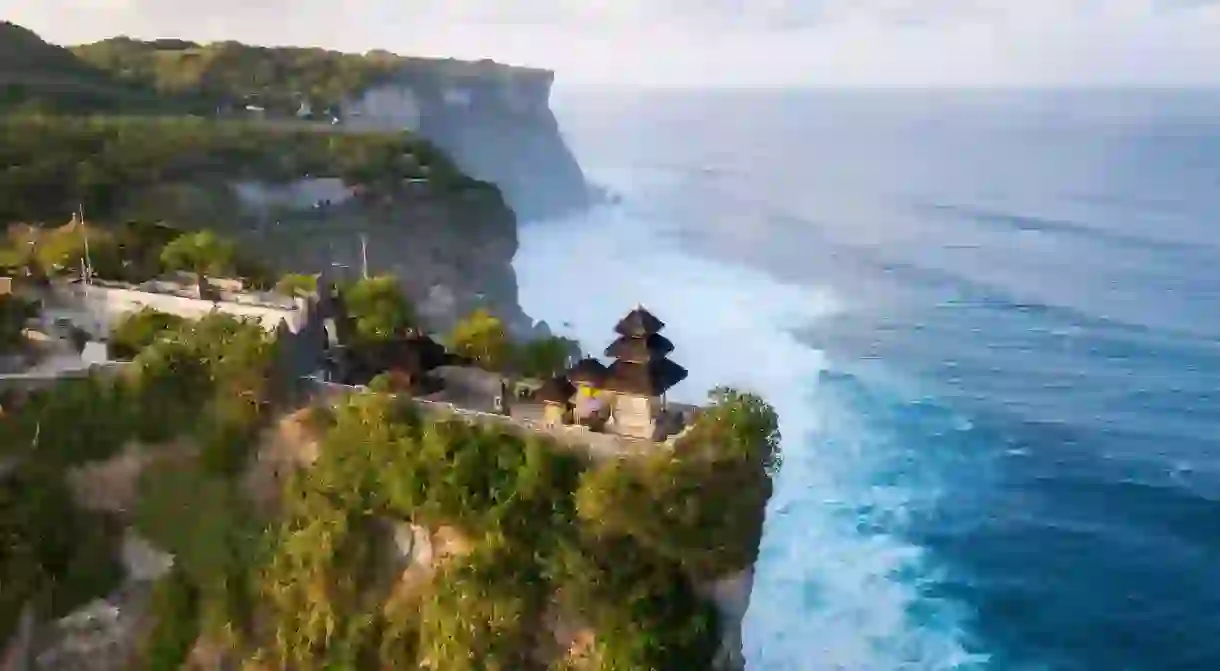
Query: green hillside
x=229, y=72
x=43, y=77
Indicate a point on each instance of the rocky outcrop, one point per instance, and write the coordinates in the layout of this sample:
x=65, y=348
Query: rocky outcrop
x=451, y=250
x=731, y=595
x=494, y=120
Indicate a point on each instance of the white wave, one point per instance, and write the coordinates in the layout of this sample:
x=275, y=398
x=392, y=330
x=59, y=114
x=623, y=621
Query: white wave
x=830, y=592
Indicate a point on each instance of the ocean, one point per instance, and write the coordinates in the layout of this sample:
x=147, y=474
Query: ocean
x=990, y=323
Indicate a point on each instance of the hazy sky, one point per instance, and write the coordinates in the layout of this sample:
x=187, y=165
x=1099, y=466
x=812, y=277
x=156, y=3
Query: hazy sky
x=711, y=42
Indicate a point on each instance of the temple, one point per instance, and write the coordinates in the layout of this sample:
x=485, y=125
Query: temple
x=627, y=398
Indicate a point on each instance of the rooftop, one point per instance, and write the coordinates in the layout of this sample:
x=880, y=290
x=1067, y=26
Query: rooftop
x=654, y=346
x=639, y=323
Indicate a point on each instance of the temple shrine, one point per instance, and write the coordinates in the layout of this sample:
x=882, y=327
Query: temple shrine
x=628, y=397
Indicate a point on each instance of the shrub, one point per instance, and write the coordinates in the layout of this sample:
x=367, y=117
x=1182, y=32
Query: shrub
x=138, y=330
x=53, y=555
x=205, y=522
x=174, y=611
x=544, y=357
x=482, y=338
x=378, y=309
x=297, y=284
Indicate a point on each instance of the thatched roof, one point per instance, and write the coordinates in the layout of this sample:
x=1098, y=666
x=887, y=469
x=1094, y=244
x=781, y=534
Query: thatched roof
x=588, y=371
x=644, y=379
x=555, y=390
x=643, y=349
x=639, y=323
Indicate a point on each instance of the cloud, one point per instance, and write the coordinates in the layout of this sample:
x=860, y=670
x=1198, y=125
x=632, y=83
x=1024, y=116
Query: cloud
x=716, y=42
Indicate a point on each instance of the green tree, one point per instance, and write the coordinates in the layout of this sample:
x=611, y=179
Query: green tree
x=62, y=250
x=202, y=253
x=544, y=357
x=297, y=284
x=736, y=425
x=138, y=330
x=482, y=338
x=378, y=309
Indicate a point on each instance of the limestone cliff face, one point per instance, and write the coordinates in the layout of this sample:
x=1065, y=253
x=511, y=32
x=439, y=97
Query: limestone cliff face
x=494, y=120
x=452, y=251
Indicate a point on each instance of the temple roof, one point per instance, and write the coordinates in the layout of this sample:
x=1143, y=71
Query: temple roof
x=555, y=390
x=644, y=379
x=649, y=347
x=588, y=371
x=639, y=323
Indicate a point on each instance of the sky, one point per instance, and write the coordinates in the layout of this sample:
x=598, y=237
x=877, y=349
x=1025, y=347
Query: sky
x=711, y=43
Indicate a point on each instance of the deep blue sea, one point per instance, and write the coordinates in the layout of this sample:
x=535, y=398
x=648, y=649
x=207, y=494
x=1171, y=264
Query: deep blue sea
x=991, y=325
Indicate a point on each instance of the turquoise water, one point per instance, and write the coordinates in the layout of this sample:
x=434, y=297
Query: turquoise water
x=990, y=324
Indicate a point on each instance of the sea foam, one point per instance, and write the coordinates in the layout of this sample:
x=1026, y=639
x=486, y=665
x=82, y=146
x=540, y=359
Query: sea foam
x=837, y=586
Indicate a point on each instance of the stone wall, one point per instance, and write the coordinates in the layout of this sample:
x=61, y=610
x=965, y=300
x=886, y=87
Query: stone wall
x=599, y=445
x=99, y=307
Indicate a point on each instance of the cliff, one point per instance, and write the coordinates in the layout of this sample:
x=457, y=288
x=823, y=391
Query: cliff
x=451, y=254
x=493, y=119
x=363, y=533
x=298, y=198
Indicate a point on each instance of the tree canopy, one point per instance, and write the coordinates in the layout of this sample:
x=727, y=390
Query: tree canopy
x=481, y=337
x=378, y=308
x=108, y=164
x=297, y=284
x=200, y=252
x=540, y=532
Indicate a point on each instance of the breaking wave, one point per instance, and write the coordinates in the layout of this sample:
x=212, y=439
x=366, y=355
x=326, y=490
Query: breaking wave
x=837, y=585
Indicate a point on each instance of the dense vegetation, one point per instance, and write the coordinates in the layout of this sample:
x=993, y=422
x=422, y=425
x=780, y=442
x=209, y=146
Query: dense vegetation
x=534, y=518
x=276, y=78
x=209, y=382
x=230, y=72
x=123, y=75
x=56, y=164
x=615, y=549
x=40, y=77
x=14, y=311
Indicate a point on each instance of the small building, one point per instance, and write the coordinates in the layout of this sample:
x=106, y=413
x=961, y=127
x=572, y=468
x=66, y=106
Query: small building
x=556, y=398
x=641, y=375
x=588, y=377
x=629, y=397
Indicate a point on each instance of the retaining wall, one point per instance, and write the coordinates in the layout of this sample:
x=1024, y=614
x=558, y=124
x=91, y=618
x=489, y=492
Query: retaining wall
x=105, y=305
x=600, y=445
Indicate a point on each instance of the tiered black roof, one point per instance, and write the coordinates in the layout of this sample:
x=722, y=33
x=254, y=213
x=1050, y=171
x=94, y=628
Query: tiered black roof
x=588, y=371
x=639, y=323
x=641, y=367
x=640, y=350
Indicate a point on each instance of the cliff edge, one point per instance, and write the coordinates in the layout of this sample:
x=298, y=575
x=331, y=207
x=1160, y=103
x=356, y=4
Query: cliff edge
x=493, y=119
